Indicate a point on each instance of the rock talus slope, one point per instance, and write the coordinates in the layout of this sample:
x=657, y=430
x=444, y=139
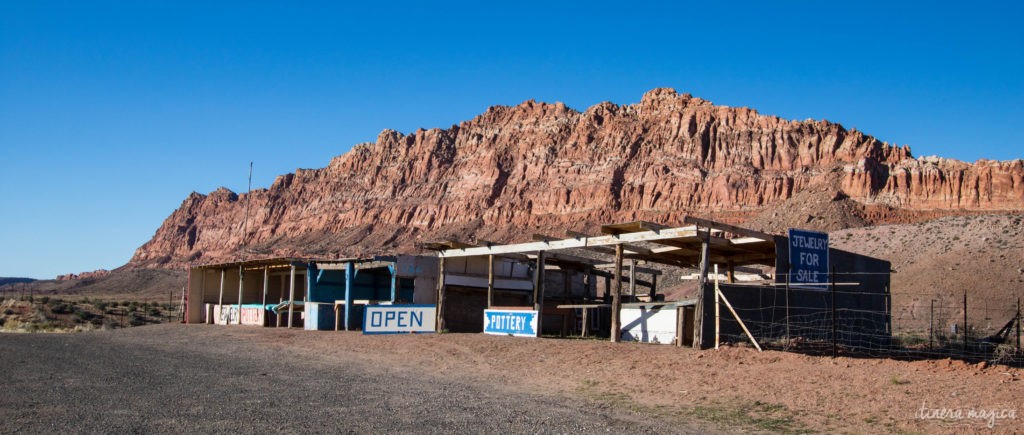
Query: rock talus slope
x=546, y=167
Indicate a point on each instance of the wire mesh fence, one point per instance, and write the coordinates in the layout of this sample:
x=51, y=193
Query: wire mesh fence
x=845, y=317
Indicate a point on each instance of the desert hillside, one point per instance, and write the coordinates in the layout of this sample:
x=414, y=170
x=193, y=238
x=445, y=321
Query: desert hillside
x=540, y=167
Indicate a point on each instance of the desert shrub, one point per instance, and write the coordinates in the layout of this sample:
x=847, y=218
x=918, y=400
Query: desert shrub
x=44, y=299
x=61, y=308
x=101, y=305
x=97, y=321
x=136, y=319
x=2, y=321
x=8, y=311
x=84, y=315
x=154, y=311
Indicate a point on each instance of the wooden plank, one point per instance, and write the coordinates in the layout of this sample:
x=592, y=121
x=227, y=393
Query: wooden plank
x=631, y=227
x=577, y=306
x=728, y=228
x=719, y=294
x=639, y=269
x=607, y=240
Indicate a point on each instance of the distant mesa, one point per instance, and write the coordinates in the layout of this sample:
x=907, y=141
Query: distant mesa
x=99, y=273
x=538, y=168
x=4, y=280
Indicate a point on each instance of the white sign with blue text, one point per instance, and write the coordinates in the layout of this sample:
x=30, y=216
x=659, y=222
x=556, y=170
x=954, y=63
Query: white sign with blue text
x=808, y=258
x=399, y=319
x=519, y=323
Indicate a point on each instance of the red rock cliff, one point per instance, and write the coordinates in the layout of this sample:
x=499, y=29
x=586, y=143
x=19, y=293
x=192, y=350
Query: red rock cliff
x=538, y=166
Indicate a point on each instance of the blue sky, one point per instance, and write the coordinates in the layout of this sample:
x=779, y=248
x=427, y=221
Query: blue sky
x=112, y=112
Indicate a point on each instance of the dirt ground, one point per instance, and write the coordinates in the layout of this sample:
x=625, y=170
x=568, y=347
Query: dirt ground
x=733, y=388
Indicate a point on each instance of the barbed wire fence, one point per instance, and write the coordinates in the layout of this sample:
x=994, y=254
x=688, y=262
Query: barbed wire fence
x=851, y=320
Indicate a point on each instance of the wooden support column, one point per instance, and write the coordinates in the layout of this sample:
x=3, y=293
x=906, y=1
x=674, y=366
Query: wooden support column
x=241, y=287
x=698, y=314
x=439, y=324
x=202, y=292
x=538, y=290
x=266, y=278
x=732, y=272
x=616, y=295
x=263, y=307
x=490, y=281
x=291, y=297
x=607, y=290
x=220, y=302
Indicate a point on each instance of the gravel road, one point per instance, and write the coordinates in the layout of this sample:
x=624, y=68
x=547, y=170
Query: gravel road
x=173, y=378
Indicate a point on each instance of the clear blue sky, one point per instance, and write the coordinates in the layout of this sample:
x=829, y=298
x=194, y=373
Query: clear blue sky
x=112, y=112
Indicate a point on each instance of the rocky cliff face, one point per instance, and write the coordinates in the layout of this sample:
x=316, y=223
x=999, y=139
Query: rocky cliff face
x=540, y=167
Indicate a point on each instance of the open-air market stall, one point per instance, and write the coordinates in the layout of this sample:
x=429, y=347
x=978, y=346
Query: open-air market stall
x=301, y=292
x=723, y=310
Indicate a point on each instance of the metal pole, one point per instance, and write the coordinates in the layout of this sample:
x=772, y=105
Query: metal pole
x=965, y=323
x=931, y=326
x=789, y=272
x=538, y=291
x=835, y=346
x=291, y=296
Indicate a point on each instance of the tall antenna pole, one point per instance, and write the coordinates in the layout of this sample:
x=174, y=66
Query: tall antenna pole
x=245, y=223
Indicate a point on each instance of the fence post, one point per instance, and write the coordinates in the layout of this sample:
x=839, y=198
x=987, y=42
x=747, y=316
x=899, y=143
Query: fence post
x=789, y=272
x=834, y=337
x=965, y=323
x=1018, y=325
x=931, y=327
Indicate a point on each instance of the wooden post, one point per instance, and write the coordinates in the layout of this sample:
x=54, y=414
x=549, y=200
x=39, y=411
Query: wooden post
x=931, y=326
x=490, y=281
x=702, y=280
x=965, y=322
x=1018, y=325
x=788, y=273
x=263, y=307
x=718, y=325
x=439, y=324
x=607, y=290
x=291, y=297
x=732, y=272
x=632, y=279
x=680, y=325
x=585, y=329
x=241, y=287
x=835, y=338
x=220, y=302
x=616, y=295
x=202, y=294
x=538, y=291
